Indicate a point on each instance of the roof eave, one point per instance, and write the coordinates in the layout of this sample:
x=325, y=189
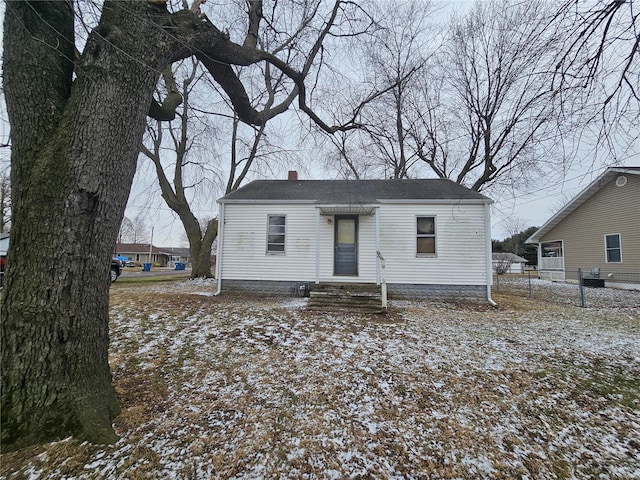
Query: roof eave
x=411, y=201
x=262, y=201
x=578, y=200
x=422, y=201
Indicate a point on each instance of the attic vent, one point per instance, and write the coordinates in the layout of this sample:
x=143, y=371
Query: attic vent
x=621, y=181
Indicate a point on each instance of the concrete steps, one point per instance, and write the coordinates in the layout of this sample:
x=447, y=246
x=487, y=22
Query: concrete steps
x=352, y=297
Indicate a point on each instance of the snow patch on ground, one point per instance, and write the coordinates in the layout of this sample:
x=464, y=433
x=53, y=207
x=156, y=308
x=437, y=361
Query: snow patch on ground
x=241, y=388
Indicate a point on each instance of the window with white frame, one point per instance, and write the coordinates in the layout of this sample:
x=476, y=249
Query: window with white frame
x=425, y=236
x=613, y=248
x=276, y=231
x=552, y=249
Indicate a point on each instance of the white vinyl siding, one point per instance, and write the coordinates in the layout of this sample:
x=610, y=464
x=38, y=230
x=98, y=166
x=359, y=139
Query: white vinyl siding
x=245, y=234
x=461, y=248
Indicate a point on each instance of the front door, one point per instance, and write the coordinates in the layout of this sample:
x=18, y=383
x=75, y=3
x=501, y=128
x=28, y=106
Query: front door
x=346, y=245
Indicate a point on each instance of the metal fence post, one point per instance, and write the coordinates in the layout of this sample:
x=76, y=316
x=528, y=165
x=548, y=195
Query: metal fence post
x=529, y=283
x=580, y=282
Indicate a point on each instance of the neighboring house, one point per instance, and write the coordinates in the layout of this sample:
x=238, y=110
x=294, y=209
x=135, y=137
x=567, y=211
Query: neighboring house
x=510, y=262
x=178, y=254
x=4, y=243
x=277, y=236
x=143, y=253
x=598, y=232
x=4, y=246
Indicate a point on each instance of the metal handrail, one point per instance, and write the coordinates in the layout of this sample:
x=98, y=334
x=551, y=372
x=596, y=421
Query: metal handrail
x=383, y=281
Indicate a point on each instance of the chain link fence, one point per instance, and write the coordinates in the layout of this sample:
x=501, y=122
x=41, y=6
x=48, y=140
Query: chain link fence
x=584, y=289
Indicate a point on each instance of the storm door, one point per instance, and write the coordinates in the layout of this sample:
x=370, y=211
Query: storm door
x=346, y=245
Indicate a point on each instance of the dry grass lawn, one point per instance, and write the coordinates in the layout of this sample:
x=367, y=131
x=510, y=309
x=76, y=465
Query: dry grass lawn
x=239, y=387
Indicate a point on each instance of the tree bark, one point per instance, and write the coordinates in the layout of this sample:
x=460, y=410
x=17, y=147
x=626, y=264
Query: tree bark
x=77, y=128
x=201, y=246
x=74, y=152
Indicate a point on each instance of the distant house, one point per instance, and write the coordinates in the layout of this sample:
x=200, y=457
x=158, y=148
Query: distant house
x=278, y=235
x=510, y=262
x=4, y=247
x=178, y=254
x=4, y=242
x=598, y=231
x=143, y=253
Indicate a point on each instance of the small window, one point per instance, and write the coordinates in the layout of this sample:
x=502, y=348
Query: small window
x=276, y=233
x=426, y=236
x=552, y=249
x=613, y=247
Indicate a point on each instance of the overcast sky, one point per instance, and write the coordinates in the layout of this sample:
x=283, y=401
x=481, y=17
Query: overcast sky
x=531, y=208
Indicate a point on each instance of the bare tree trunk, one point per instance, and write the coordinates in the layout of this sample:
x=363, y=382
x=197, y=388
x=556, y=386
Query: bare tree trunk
x=73, y=159
x=201, y=251
x=77, y=126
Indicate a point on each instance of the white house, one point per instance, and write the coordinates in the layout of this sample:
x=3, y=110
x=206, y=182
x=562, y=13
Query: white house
x=508, y=262
x=4, y=243
x=276, y=236
x=4, y=247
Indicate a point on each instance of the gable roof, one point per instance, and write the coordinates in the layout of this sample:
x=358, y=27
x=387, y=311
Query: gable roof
x=508, y=256
x=349, y=192
x=141, y=248
x=607, y=176
x=183, y=252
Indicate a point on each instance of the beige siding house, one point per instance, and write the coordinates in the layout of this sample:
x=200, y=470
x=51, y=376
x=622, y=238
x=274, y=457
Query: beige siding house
x=277, y=236
x=597, y=232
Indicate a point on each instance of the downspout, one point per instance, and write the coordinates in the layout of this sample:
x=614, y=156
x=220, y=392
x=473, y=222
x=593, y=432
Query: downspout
x=378, y=259
x=487, y=230
x=317, y=245
x=219, y=252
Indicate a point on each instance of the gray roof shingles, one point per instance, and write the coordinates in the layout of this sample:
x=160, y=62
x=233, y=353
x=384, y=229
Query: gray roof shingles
x=353, y=191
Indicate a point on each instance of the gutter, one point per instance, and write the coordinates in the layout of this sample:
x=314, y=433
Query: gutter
x=219, y=250
x=487, y=230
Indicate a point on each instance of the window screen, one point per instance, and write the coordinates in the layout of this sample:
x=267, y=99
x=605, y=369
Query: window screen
x=276, y=230
x=426, y=235
x=613, y=246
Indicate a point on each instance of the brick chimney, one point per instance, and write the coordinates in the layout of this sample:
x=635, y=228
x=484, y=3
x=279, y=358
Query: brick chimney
x=293, y=175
